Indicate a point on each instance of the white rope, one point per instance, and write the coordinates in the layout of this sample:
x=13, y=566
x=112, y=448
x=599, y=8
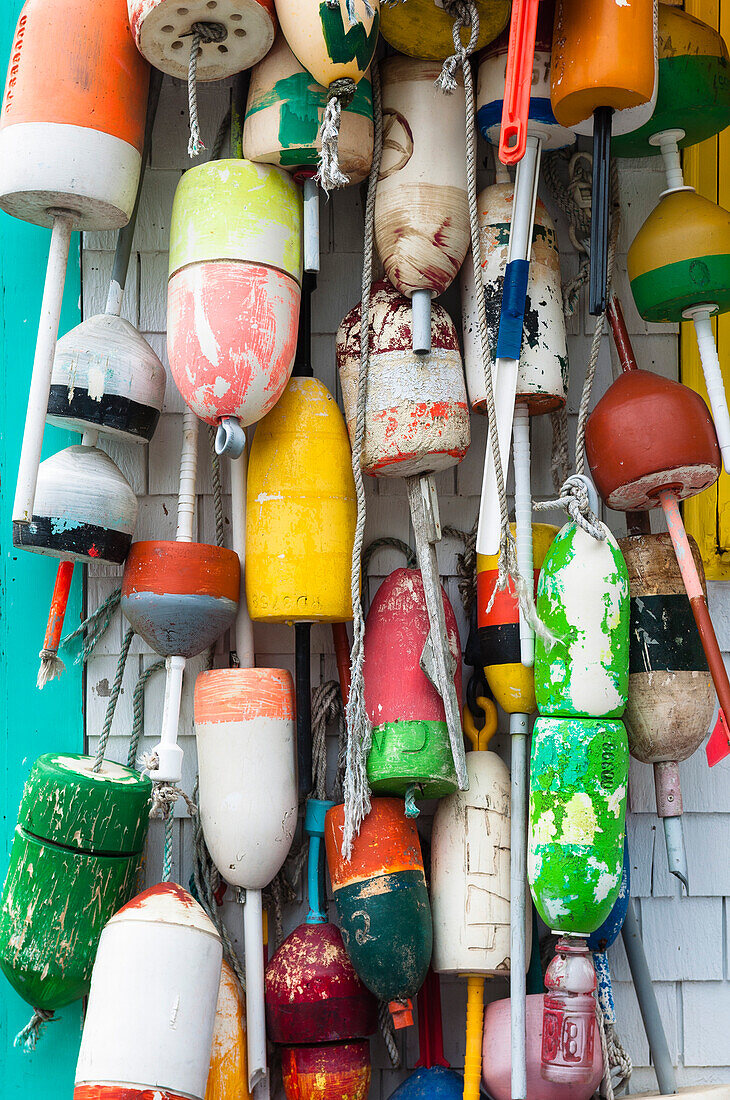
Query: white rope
x=201, y=32
x=329, y=174
x=574, y=499
x=359, y=733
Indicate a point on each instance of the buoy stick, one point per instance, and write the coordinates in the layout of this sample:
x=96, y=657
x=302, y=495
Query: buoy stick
x=518, y=728
x=169, y=754
x=311, y=224
x=421, y=310
x=701, y=315
x=509, y=340
x=693, y=585
x=342, y=656
x=598, y=283
x=648, y=1006
x=314, y=816
x=253, y=949
x=40, y=380
x=518, y=81
x=474, y=1032
x=126, y=233
x=303, y=682
x=244, y=626
x=669, y=809
x=51, y=665
x=437, y=660
x=523, y=520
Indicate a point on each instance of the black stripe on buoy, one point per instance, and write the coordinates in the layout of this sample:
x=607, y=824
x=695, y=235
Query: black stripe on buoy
x=44, y=533
x=663, y=636
x=109, y=411
x=500, y=645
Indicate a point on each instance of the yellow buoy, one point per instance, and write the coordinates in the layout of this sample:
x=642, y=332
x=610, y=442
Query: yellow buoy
x=422, y=28
x=300, y=524
x=228, y=1073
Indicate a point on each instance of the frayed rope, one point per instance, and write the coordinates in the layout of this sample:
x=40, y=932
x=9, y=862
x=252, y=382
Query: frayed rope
x=31, y=1033
x=329, y=174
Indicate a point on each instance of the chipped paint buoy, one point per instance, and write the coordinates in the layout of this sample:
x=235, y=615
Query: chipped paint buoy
x=316, y=1006
x=410, y=747
x=234, y=290
x=421, y=212
x=424, y=29
x=417, y=415
x=511, y=682
x=228, y=1073
x=106, y=377
x=496, y=1056
x=470, y=886
x=162, y=30
x=169, y=1028
x=285, y=111
x=382, y=903
x=74, y=861
x=693, y=92
x=180, y=596
x=578, y=775
x=244, y=728
x=543, y=365
x=583, y=600
x=671, y=697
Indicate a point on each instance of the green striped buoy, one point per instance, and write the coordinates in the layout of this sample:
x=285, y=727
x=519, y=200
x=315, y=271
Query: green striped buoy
x=74, y=861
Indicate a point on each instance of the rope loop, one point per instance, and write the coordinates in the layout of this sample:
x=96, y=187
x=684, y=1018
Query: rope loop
x=574, y=499
x=464, y=14
x=28, y=1037
x=201, y=32
x=329, y=174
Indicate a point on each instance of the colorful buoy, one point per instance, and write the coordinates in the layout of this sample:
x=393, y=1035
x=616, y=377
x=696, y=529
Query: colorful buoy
x=169, y=1028
x=423, y=29
x=410, y=753
x=421, y=211
x=233, y=295
x=382, y=903
x=74, y=861
x=228, y=1072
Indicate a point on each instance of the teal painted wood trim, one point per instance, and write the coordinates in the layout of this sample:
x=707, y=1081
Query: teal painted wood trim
x=31, y=721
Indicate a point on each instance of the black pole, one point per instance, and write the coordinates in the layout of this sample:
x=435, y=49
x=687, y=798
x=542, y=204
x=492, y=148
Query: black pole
x=600, y=213
x=304, y=706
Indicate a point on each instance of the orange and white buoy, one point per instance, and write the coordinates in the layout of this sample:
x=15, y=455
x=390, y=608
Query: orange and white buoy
x=155, y=983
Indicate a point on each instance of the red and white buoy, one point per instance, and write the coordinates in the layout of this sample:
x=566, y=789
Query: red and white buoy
x=151, y=1010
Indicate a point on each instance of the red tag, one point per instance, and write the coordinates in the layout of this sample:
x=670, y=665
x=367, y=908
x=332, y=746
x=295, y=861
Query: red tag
x=718, y=747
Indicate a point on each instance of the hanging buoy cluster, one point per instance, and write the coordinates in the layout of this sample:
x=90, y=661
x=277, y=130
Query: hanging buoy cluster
x=609, y=641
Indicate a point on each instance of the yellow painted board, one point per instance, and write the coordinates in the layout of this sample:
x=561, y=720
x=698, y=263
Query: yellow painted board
x=707, y=168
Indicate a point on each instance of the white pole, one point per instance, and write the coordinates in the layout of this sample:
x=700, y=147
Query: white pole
x=506, y=368
x=523, y=520
x=713, y=375
x=169, y=753
x=40, y=381
x=667, y=141
x=421, y=321
x=188, y=477
x=253, y=946
x=244, y=626
x=311, y=224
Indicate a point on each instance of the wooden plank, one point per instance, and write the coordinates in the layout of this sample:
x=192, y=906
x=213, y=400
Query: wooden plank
x=31, y=722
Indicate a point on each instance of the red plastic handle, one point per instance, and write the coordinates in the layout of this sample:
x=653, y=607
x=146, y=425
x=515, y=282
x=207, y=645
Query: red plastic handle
x=518, y=81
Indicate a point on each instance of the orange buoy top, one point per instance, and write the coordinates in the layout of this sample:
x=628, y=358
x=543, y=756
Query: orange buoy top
x=604, y=55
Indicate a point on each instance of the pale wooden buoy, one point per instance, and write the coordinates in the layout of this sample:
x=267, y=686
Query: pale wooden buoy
x=106, y=376
x=245, y=734
x=234, y=290
x=155, y=982
x=423, y=29
x=543, y=366
x=421, y=211
x=74, y=861
x=326, y=42
x=244, y=32
x=69, y=159
x=228, y=1073
x=84, y=510
x=284, y=112
x=417, y=419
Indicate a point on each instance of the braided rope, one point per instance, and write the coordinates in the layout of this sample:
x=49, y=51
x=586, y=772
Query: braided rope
x=94, y=626
x=224, y=129
x=28, y=1037
x=138, y=711
x=574, y=199
x=201, y=32
x=574, y=499
x=326, y=708
x=385, y=1023
x=466, y=564
x=215, y=471
x=329, y=174
x=355, y=786
x=112, y=704
x=388, y=543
